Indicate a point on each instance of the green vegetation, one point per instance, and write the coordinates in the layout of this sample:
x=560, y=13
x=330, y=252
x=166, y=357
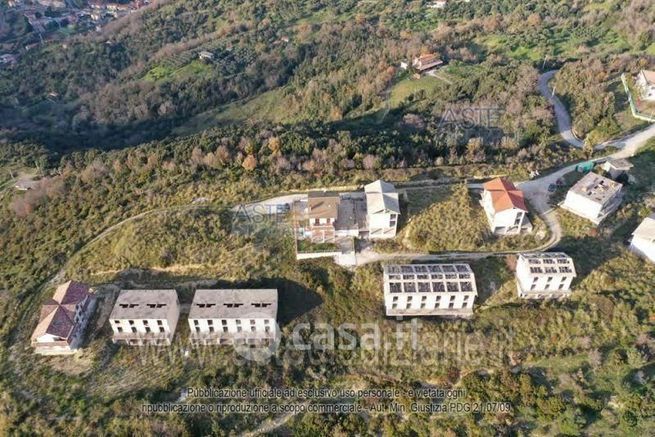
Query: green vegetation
x=451, y=219
x=306, y=94
x=573, y=367
x=305, y=245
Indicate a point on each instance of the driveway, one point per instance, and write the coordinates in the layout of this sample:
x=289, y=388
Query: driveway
x=561, y=114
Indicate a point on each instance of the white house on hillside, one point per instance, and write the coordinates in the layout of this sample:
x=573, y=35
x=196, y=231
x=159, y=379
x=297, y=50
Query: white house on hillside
x=643, y=239
x=594, y=197
x=646, y=84
x=617, y=167
x=429, y=290
x=505, y=208
x=544, y=275
x=143, y=317
x=232, y=316
x=382, y=209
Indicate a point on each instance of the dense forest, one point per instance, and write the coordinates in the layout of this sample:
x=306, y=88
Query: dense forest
x=128, y=125
x=328, y=61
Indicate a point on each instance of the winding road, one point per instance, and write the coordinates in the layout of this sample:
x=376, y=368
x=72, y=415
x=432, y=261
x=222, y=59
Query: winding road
x=561, y=114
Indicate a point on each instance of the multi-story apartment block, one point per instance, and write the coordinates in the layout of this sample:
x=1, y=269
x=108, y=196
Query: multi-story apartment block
x=429, y=290
x=544, y=275
x=233, y=316
x=594, y=197
x=143, y=317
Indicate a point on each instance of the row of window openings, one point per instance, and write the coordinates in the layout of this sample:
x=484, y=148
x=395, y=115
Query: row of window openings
x=549, y=279
x=235, y=305
x=149, y=305
x=408, y=305
x=145, y=322
x=239, y=329
x=210, y=322
x=134, y=331
x=547, y=287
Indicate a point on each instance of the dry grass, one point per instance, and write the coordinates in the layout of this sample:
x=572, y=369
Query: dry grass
x=446, y=219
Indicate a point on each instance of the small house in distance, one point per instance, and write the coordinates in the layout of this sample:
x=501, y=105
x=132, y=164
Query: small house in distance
x=63, y=320
x=505, y=208
x=617, y=167
x=427, y=63
x=643, y=239
x=594, y=198
x=145, y=317
x=646, y=84
x=382, y=209
x=233, y=316
x=205, y=55
x=439, y=4
x=429, y=290
x=544, y=275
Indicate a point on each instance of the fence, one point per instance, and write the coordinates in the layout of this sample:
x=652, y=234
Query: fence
x=633, y=107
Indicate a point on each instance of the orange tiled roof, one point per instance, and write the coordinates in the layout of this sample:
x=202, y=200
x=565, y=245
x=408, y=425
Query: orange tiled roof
x=505, y=195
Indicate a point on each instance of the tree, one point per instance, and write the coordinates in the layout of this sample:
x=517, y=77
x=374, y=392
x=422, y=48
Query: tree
x=249, y=163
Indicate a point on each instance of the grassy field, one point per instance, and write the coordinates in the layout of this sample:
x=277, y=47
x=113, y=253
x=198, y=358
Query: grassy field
x=581, y=365
x=409, y=89
x=200, y=242
x=450, y=218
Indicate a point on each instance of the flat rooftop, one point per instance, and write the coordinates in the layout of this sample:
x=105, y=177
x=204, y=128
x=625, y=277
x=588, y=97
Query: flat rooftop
x=597, y=188
x=144, y=304
x=352, y=214
x=428, y=278
x=548, y=263
x=234, y=303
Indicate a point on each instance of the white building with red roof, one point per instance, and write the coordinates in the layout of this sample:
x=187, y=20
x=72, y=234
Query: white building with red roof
x=63, y=320
x=505, y=207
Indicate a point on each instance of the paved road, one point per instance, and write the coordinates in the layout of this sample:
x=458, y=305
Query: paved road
x=561, y=114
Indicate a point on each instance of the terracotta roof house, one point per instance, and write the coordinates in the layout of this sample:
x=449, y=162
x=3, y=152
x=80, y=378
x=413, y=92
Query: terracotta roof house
x=643, y=239
x=63, y=319
x=233, y=316
x=322, y=212
x=646, y=83
x=505, y=207
x=594, y=197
